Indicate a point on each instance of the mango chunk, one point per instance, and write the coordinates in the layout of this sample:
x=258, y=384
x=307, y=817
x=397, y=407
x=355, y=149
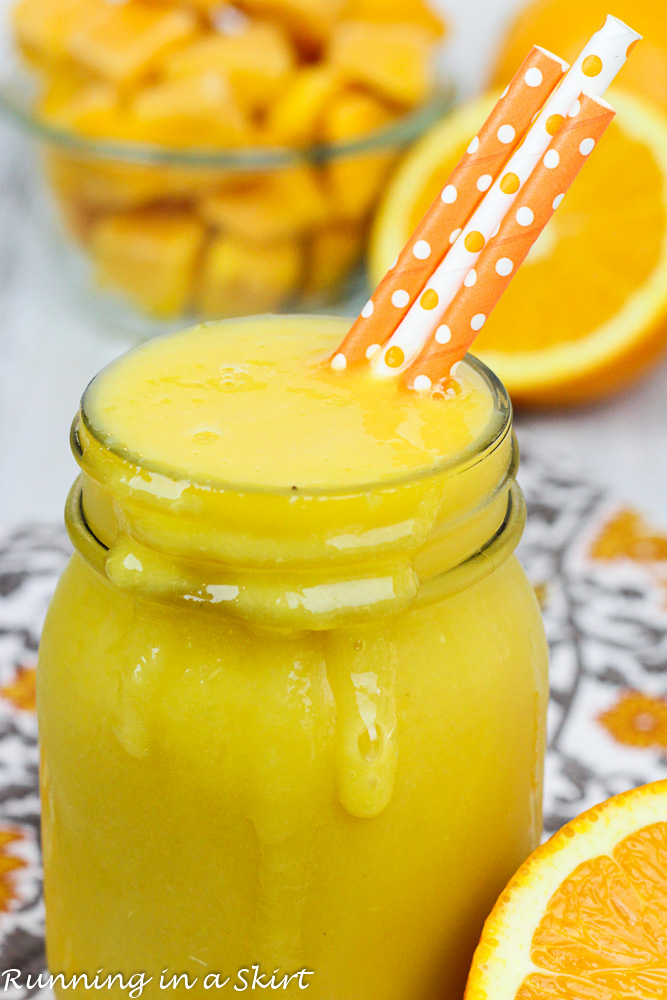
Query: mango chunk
x=150, y=256
x=192, y=110
x=354, y=182
x=352, y=114
x=104, y=185
x=295, y=117
x=239, y=279
x=331, y=255
x=218, y=10
x=62, y=84
x=417, y=12
x=309, y=21
x=93, y=110
x=124, y=41
x=45, y=27
x=284, y=203
x=394, y=60
x=257, y=60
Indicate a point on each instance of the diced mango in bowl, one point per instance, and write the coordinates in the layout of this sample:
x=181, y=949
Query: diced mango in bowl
x=151, y=255
x=197, y=110
x=244, y=278
x=272, y=207
x=330, y=255
x=214, y=167
x=124, y=42
x=255, y=61
x=391, y=60
x=44, y=28
x=295, y=118
x=353, y=181
x=396, y=12
x=309, y=21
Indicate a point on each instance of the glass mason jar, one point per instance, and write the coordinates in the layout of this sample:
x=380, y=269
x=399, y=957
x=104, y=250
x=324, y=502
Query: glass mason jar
x=289, y=730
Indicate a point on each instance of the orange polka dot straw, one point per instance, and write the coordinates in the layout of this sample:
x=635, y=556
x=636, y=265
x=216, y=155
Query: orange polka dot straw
x=592, y=73
x=502, y=256
x=478, y=168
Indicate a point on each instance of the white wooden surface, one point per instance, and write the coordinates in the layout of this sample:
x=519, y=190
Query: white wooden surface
x=49, y=350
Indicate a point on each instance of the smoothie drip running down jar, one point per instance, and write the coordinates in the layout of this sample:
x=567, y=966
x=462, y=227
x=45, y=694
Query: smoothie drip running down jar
x=292, y=685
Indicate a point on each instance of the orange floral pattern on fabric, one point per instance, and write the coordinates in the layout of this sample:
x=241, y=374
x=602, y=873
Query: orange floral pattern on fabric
x=629, y=536
x=637, y=720
x=8, y=864
x=21, y=690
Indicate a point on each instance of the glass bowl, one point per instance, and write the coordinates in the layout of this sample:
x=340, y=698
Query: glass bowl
x=158, y=236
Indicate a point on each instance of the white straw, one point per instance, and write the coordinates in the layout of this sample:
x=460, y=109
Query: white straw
x=593, y=71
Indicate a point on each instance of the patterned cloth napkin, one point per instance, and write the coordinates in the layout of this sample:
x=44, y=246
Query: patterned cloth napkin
x=600, y=572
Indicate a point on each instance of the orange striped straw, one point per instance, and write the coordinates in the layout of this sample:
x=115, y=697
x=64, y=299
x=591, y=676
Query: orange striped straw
x=503, y=255
x=485, y=157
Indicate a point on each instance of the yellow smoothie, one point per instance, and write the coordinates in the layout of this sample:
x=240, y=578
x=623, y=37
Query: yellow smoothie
x=253, y=403
x=292, y=684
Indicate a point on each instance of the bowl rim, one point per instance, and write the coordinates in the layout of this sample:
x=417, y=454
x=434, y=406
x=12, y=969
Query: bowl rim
x=17, y=105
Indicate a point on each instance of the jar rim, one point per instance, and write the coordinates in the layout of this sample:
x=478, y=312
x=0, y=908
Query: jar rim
x=493, y=434
x=471, y=569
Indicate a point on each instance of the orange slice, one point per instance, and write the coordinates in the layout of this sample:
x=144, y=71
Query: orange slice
x=565, y=26
x=585, y=918
x=587, y=312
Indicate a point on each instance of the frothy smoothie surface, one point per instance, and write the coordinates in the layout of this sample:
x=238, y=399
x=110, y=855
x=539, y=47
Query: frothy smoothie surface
x=251, y=402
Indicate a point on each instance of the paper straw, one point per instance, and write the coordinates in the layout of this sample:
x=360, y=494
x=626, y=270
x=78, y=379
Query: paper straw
x=593, y=71
x=503, y=255
x=480, y=165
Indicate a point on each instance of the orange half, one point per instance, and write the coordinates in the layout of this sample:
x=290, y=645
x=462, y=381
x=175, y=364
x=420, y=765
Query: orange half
x=567, y=25
x=587, y=312
x=585, y=918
